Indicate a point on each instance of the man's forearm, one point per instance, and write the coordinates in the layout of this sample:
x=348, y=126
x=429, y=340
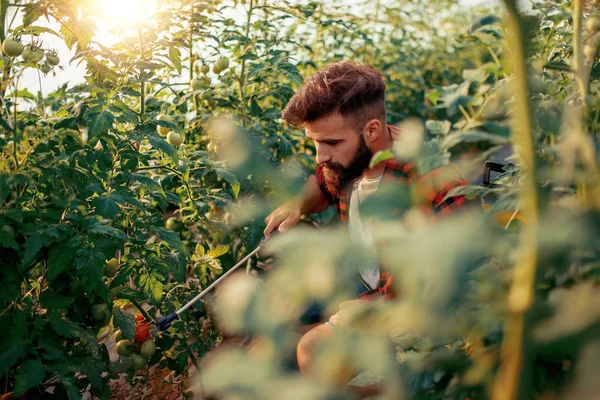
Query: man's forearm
x=312, y=200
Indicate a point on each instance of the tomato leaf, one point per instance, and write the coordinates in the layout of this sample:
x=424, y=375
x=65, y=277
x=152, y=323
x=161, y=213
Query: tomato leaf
x=33, y=245
x=129, y=294
x=10, y=357
x=147, y=182
x=171, y=238
x=125, y=322
x=108, y=205
x=68, y=383
x=231, y=179
x=61, y=257
x=438, y=127
x=162, y=145
x=31, y=373
x=55, y=301
x=175, y=57
x=218, y=251
x=152, y=287
x=381, y=156
x=99, y=121
x=89, y=266
x=7, y=240
x=103, y=228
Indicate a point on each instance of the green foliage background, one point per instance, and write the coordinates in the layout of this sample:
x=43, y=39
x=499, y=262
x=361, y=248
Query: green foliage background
x=501, y=304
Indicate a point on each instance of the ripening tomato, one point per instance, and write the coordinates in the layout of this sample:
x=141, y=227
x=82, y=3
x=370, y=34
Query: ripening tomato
x=142, y=332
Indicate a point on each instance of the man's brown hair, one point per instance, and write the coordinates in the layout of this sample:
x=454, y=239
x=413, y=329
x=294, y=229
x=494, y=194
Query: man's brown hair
x=354, y=90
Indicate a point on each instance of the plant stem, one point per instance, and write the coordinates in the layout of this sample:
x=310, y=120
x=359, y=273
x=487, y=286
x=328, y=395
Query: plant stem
x=586, y=148
x=578, y=48
x=243, y=70
x=7, y=60
x=192, y=56
x=143, y=83
x=15, y=128
x=141, y=309
x=515, y=363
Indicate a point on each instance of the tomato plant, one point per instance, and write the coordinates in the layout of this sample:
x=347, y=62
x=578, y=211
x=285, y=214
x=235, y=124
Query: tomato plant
x=137, y=188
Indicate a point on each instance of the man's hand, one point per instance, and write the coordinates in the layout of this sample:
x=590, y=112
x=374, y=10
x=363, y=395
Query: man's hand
x=347, y=311
x=283, y=218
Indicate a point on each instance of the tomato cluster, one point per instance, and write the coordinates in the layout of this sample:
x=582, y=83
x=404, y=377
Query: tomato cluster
x=134, y=355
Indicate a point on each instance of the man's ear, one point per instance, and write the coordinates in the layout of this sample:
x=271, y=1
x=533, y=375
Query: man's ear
x=372, y=130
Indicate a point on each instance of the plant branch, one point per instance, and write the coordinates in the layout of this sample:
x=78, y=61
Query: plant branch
x=514, y=363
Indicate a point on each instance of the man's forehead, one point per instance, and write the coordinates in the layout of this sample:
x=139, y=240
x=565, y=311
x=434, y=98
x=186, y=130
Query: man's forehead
x=331, y=127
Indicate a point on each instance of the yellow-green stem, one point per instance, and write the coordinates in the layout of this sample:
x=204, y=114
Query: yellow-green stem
x=243, y=69
x=582, y=76
x=578, y=49
x=522, y=290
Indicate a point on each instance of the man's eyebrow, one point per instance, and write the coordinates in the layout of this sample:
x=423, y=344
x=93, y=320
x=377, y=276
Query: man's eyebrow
x=328, y=141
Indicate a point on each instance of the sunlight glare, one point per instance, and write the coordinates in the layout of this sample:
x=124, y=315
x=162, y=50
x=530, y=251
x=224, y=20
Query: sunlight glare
x=120, y=15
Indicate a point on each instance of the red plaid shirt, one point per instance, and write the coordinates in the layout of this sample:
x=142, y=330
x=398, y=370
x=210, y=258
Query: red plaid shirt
x=431, y=189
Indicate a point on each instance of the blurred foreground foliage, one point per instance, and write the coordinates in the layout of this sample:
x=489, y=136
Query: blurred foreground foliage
x=85, y=176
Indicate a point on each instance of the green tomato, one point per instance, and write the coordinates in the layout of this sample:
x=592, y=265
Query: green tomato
x=174, y=139
x=172, y=224
x=196, y=84
x=12, y=48
x=222, y=63
x=32, y=54
x=124, y=365
x=52, y=59
x=148, y=348
x=163, y=130
x=105, y=321
x=110, y=268
x=205, y=69
x=99, y=312
x=205, y=95
x=119, y=336
x=139, y=362
x=122, y=348
x=27, y=55
x=38, y=54
x=46, y=68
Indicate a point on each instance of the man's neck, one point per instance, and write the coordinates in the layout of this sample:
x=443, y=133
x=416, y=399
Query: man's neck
x=376, y=171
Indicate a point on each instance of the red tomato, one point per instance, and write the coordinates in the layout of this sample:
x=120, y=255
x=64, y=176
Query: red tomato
x=139, y=318
x=142, y=332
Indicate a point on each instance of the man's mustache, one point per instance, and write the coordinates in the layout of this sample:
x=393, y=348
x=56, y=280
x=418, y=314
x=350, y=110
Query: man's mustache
x=332, y=166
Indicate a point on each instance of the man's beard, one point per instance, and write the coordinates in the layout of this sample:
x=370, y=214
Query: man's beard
x=338, y=178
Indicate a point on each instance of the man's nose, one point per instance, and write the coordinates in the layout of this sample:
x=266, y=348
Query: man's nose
x=322, y=155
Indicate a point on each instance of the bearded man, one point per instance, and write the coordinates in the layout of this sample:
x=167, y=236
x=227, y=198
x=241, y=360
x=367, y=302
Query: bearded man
x=342, y=110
